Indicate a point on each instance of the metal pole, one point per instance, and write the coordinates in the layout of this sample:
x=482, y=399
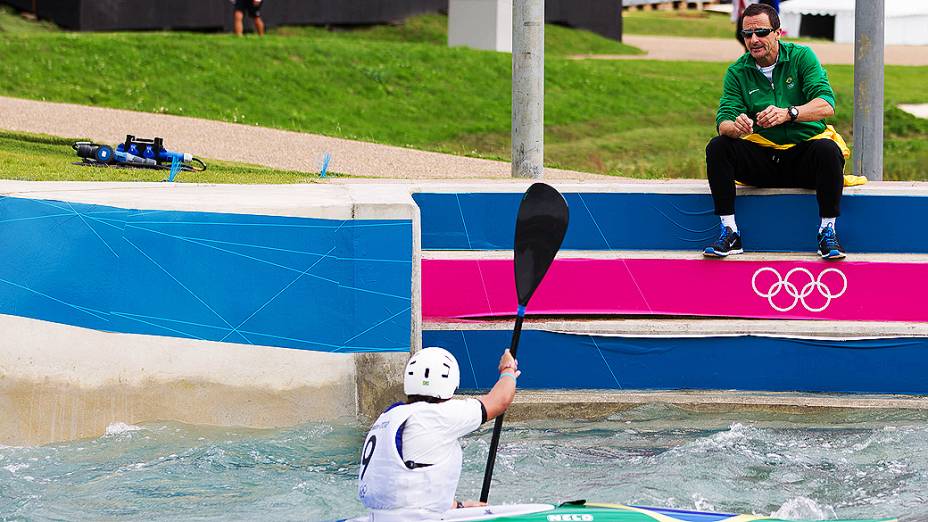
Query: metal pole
x=868, y=89
x=528, y=88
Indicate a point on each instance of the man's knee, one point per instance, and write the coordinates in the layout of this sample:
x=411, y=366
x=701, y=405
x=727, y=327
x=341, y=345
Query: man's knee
x=828, y=155
x=827, y=150
x=718, y=145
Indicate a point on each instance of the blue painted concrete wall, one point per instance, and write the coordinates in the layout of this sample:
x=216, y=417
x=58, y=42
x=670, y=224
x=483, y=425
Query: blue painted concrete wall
x=646, y=221
x=623, y=221
x=327, y=285
x=557, y=361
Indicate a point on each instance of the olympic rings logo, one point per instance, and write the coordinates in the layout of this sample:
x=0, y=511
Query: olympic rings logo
x=792, y=290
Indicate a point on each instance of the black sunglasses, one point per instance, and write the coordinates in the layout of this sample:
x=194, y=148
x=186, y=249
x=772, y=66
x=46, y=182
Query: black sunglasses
x=746, y=33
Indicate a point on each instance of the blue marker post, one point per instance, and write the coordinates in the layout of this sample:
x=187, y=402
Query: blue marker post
x=326, y=157
x=175, y=168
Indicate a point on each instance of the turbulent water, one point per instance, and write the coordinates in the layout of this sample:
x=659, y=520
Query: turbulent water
x=814, y=466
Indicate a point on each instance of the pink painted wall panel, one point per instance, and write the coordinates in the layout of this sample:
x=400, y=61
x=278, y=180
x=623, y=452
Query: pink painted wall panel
x=847, y=291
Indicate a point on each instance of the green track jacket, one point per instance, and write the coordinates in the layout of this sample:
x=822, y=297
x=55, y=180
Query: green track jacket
x=797, y=79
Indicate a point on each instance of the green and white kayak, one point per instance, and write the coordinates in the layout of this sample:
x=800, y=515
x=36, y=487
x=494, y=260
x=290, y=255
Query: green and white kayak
x=594, y=512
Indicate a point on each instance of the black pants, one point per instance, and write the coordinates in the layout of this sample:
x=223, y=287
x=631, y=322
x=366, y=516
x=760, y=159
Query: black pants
x=813, y=164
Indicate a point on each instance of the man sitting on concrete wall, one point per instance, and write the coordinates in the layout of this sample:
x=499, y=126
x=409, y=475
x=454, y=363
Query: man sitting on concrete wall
x=772, y=131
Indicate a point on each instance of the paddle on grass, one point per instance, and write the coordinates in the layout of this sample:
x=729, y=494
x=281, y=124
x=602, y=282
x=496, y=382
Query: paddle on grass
x=540, y=227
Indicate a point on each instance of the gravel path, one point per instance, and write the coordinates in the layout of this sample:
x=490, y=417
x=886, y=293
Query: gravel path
x=257, y=145
x=727, y=50
x=919, y=110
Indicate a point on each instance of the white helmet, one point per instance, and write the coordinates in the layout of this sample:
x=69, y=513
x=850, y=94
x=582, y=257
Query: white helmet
x=432, y=372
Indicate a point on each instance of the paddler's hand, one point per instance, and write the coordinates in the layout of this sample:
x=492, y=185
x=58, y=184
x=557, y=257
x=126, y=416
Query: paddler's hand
x=501, y=394
x=508, y=363
x=472, y=503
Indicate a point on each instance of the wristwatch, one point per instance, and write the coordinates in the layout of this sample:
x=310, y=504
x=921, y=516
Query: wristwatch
x=793, y=113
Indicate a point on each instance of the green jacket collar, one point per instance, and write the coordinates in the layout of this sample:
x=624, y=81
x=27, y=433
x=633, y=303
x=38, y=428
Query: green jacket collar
x=747, y=61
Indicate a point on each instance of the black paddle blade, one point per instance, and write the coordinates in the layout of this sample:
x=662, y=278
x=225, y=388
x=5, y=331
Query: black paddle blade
x=540, y=228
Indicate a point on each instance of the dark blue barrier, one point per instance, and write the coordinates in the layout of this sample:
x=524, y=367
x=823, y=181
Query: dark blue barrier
x=557, y=361
x=637, y=221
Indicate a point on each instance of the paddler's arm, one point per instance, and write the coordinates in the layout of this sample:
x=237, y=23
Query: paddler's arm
x=500, y=396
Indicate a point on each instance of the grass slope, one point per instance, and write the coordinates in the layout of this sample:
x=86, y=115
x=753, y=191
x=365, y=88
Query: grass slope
x=13, y=22
x=34, y=157
x=433, y=29
x=688, y=23
x=632, y=118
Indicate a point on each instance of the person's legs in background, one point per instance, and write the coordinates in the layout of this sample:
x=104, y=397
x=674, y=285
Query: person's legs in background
x=253, y=9
x=238, y=22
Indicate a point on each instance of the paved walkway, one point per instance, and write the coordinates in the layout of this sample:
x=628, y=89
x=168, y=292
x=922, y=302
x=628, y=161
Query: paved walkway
x=257, y=145
x=727, y=50
x=919, y=110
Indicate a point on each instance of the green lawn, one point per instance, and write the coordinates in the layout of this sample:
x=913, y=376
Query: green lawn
x=689, y=23
x=632, y=118
x=13, y=22
x=34, y=157
x=433, y=29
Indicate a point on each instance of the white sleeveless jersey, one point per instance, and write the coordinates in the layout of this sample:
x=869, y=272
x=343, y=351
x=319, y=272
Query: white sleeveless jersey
x=389, y=481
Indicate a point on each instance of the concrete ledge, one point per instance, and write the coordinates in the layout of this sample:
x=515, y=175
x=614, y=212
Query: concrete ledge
x=624, y=186
x=349, y=198
x=597, y=404
x=701, y=327
x=379, y=378
x=61, y=382
x=321, y=201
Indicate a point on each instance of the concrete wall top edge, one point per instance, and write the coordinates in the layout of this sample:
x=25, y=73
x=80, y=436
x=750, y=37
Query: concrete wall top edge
x=345, y=200
x=323, y=201
x=703, y=327
x=896, y=188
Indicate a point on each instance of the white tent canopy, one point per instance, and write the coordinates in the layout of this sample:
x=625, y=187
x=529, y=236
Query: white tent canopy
x=906, y=20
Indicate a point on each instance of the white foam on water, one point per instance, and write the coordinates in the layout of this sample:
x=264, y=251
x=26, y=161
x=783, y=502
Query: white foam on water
x=13, y=468
x=802, y=508
x=118, y=428
x=735, y=434
x=701, y=503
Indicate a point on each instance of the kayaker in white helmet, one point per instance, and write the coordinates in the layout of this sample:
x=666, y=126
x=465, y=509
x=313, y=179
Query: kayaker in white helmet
x=411, y=458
